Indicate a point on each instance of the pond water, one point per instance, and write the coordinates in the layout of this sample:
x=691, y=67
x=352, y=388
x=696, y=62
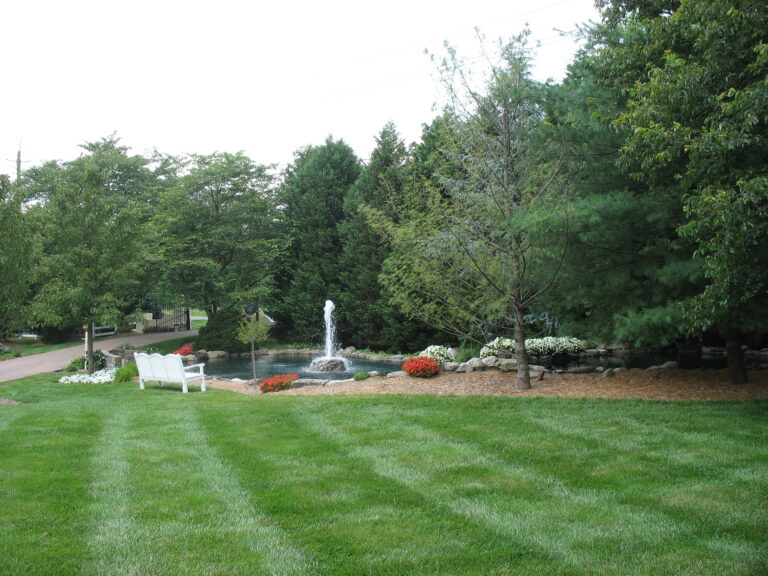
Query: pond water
x=269, y=365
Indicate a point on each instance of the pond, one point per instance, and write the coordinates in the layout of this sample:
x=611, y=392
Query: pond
x=269, y=365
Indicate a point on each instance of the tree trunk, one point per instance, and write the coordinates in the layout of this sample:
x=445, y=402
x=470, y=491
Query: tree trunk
x=521, y=354
x=737, y=366
x=89, y=347
x=253, y=360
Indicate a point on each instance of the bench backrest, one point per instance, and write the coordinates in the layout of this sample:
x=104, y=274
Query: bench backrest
x=159, y=367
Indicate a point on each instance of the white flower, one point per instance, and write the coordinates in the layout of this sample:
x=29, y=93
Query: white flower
x=494, y=346
x=549, y=346
x=99, y=377
x=438, y=353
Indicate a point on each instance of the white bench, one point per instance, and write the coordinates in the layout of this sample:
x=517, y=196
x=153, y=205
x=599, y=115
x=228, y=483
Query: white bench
x=168, y=368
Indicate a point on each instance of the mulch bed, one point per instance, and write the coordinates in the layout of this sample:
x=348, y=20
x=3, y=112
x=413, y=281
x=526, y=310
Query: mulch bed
x=667, y=384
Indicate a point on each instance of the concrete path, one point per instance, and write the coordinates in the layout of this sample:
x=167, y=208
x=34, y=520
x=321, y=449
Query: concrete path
x=59, y=359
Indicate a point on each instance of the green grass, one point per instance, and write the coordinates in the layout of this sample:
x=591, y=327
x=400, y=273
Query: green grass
x=28, y=347
x=109, y=479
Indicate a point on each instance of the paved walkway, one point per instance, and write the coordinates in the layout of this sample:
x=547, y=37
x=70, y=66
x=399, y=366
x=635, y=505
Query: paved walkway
x=59, y=359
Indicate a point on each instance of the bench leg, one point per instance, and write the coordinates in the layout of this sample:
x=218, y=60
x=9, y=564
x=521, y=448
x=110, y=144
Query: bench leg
x=141, y=383
x=184, y=386
x=202, y=385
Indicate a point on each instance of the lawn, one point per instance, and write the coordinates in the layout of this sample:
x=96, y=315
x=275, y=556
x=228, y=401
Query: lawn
x=109, y=479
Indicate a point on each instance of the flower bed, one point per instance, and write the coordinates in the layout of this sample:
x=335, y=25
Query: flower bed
x=439, y=353
x=277, y=382
x=421, y=366
x=99, y=377
x=549, y=346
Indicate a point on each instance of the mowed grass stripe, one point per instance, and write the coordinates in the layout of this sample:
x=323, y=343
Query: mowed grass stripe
x=702, y=486
x=281, y=558
x=118, y=545
x=354, y=520
x=165, y=503
x=8, y=416
x=425, y=473
x=44, y=476
x=580, y=524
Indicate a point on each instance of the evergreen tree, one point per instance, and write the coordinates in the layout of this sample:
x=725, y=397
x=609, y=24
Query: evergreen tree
x=627, y=269
x=697, y=118
x=366, y=314
x=312, y=194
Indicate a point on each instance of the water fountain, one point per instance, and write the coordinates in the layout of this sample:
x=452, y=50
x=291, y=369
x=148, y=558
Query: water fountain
x=329, y=362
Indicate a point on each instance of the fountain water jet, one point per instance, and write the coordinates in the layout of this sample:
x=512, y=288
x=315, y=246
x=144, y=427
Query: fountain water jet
x=329, y=362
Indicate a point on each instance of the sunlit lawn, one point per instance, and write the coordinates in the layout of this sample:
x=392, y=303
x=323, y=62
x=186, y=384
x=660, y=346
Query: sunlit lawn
x=109, y=479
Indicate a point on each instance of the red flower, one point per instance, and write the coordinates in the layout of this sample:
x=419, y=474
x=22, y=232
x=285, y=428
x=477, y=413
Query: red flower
x=421, y=366
x=277, y=382
x=183, y=351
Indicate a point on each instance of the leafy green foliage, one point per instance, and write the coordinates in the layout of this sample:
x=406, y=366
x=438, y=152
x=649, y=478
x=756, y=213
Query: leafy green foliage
x=79, y=363
x=126, y=373
x=89, y=214
x=364, y=310
x=17, y=248
x=221, y=332
x=361, y=375
x=313, y=193
x=219, y=233
x=697, y=116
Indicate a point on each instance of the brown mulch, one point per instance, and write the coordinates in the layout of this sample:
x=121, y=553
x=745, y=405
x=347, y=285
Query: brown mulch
x=666, y=384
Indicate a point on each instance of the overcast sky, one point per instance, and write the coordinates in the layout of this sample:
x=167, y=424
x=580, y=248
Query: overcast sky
x=189, y=76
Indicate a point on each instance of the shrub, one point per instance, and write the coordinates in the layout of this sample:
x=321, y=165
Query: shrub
x=220, y=333
x=99, y=362
x=421, y=366
x=548, y=346
x=277, y=382
x=183, y=351
x=554, y=346
x=497, y=345
x=439, y=353
x=360, y=375
x=467, y=354
x=126, y=373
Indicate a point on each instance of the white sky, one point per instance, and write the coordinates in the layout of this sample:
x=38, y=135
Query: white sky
x=184, y=76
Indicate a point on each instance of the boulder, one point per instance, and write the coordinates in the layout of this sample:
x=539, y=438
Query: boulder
x=608, y=373
x=477, y=364
x=218, y=354
x=301, y=382
x=490, y=361
x=327, y=365
x=450, y=366
x=580, y=370
x=397, y=374
x=464, y=367
x=507, y=365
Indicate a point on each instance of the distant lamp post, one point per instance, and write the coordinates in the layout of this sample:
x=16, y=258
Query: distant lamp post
x=250, y=309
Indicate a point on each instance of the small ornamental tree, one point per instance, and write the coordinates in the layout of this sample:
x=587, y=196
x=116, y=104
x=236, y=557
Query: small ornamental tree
x=253, y=330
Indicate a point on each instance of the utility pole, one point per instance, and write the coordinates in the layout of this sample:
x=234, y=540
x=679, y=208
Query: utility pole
x=18, y=162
